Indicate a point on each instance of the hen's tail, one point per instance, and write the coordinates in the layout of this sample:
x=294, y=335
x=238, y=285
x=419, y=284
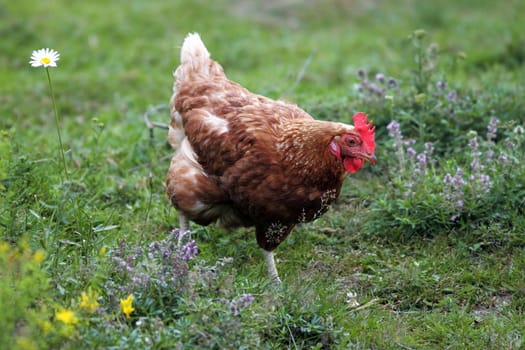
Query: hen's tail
x=195, y=58
x=195, y=63
x=194, y=54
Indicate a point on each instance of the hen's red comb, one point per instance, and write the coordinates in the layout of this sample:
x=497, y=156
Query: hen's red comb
x=367, y=131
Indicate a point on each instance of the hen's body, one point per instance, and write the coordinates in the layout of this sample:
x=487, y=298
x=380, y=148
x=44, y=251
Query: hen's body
x=243, y=159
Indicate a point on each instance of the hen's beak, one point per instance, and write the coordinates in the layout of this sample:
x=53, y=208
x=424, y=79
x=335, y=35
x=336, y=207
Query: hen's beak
x=371, y=158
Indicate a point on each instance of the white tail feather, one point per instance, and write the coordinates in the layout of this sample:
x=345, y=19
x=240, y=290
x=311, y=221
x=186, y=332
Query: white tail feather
x=194, y=58
x=193, y=51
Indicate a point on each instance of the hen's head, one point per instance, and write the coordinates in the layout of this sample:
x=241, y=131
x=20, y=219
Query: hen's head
x=356, y=146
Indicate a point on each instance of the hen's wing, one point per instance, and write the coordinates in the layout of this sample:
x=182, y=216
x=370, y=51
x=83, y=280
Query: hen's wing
x=222, y=120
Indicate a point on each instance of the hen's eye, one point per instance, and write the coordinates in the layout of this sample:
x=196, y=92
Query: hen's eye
x=352, y=142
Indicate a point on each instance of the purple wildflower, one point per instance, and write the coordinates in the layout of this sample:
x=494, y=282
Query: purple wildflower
x=474, y=147
x=121, y=265
x=429, y=148
x=484, y=181
x=242, y=302
x=189, y=250
x=480, y=179
x=476, y=164
x=453, y=191
x=442, y=85
x=489, y=155
x=245, y=300
x=409, y=191
x=394, y=129
x=503, y=158
x=361, y=73
x=411, y=152
x=492, y=128
x=452, y=95
x=141, y=279
x=380, y=78
x=373, y=88
x=422, y=159
x=392, y=83
x=234, y=309
x=154, y=245
x=421, y=165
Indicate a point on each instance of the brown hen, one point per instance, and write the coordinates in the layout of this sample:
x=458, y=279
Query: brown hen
x=245, y=160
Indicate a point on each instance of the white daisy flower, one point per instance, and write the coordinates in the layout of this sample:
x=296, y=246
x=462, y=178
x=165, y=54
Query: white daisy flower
x=44, y=58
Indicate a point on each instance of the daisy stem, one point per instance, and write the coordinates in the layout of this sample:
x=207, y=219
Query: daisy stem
x=57, y=123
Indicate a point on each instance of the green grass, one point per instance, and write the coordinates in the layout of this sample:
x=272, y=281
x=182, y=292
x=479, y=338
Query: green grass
x=422, y=281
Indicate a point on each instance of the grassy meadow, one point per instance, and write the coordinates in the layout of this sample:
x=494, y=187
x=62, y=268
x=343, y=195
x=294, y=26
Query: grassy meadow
x=426, y=250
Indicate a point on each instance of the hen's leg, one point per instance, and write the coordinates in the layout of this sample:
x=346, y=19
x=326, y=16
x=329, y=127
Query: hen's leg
x=183, y=222
x=270, y=263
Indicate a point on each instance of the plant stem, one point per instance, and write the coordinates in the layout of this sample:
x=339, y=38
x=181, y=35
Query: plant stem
x=57, y=123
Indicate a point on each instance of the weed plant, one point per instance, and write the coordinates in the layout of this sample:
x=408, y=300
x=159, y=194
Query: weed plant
x=430, y=195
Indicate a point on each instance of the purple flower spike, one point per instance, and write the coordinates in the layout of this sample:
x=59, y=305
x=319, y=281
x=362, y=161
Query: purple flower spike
x=442, y=85
x=189, y=250
x=492, y=128
x=451, y=96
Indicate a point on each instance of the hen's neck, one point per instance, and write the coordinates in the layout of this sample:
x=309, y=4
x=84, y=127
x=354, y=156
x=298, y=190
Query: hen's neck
x=304, y=148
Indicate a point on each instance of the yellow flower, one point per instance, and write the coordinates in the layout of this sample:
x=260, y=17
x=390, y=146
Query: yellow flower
x=24, y=244
x=38, y=257
x=4, y=247
x=126, y=306
x=46, y=326
x=88, y=301
x=45, y=58
x=102, y=251
x=66, y=316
